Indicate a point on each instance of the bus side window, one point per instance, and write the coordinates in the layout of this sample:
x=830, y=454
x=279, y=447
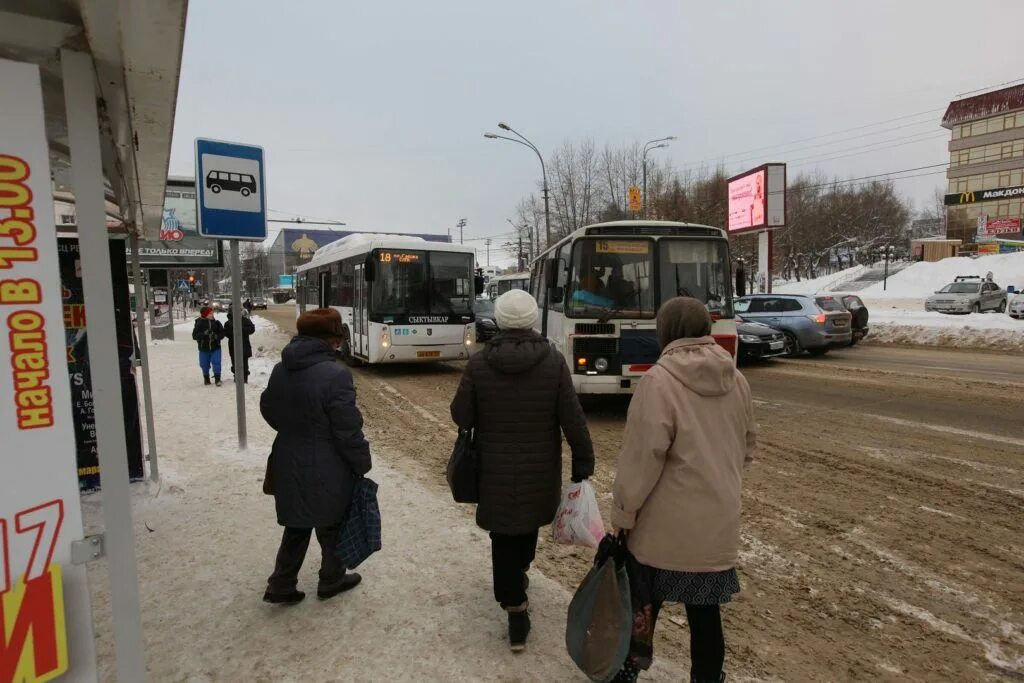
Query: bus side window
x=561, y=262
x=347, y=283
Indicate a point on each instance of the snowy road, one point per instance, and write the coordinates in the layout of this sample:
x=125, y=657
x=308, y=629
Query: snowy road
x=883, y=520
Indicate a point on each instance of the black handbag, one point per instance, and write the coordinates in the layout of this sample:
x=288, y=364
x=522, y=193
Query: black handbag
x=463, y=474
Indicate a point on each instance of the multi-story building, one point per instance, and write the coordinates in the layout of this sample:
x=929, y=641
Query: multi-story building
x=985, y=190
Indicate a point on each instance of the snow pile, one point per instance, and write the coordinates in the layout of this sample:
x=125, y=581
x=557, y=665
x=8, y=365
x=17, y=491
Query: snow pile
x=976, y=330
x=923, y=279
x=824, y=283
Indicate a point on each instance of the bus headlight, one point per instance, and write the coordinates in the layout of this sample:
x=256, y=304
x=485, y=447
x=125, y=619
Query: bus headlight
x=601, y=365
x=385, y=338
x=467, y=336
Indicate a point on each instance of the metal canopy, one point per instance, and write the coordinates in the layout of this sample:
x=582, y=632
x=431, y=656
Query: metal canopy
x=136, y=47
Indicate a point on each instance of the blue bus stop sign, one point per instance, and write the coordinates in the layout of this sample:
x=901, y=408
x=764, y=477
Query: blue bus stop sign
x=231, y=198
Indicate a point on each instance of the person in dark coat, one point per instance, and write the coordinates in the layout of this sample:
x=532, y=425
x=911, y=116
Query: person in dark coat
x=247, y=330
x=318, y=454
x=517, y=395
x=208, y=332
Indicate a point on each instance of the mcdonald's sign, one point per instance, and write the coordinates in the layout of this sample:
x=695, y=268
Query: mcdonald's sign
x=975, y=196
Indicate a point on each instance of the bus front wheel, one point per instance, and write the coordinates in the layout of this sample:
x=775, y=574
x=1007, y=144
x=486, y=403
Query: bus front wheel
x=215, y=189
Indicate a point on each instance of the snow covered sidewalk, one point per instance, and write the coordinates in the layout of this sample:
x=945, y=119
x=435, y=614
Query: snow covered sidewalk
x=206, y=541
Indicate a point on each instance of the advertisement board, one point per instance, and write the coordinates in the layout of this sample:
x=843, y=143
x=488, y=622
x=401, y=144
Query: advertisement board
x=45, y=618
x=179, y=244
x=77, y=344
x=757, y=199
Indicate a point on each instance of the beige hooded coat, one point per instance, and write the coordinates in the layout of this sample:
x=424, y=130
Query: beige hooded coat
x=689, y=434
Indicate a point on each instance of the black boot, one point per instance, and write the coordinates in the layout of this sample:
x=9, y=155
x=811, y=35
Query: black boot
x=518, y=626
x=345, y=583
x=216, y=380
x=720, y=679
x=293, y=598
x=206, y=380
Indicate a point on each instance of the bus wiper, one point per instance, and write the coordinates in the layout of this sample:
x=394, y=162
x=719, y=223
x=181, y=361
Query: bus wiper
x=611, y=313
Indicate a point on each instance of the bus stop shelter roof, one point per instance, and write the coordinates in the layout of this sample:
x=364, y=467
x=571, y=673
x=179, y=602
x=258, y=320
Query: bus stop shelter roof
x=136, y=48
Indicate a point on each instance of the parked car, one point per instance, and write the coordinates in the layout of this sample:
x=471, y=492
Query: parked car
x=1016, y=308
x=259, y=303
x=967, y=294
x=486, y=327
x=758, y=341
x=859, y=310
x=806, y=325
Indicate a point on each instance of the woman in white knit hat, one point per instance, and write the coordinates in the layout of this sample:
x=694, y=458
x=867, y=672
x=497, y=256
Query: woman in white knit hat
x=517, y=395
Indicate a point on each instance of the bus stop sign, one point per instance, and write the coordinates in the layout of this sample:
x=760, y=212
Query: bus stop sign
x=231, y=198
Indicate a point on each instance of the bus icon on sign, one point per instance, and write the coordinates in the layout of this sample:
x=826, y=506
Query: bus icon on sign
x=243, y=183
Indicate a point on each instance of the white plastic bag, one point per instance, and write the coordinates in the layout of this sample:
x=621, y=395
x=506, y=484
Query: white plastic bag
x=578, y=520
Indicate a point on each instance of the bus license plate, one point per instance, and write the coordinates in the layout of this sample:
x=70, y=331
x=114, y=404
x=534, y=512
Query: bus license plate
x=428, y=354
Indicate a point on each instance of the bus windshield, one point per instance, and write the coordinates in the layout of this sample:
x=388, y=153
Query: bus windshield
x=423, y=283
x=612, y=279
x=696, y=268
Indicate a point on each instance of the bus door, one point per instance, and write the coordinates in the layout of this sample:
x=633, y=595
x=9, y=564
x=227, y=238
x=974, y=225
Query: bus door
x=325, y=289
x=360, y=343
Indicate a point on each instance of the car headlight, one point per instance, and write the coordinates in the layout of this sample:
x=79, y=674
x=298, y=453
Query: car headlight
x=750, y=339
x=601, y=365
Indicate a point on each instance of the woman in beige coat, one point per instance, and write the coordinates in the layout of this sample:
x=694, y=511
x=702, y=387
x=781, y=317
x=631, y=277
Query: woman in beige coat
x=689, y=434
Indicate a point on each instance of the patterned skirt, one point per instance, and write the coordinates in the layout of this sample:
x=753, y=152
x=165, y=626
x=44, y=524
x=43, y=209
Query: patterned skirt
x=694, y=588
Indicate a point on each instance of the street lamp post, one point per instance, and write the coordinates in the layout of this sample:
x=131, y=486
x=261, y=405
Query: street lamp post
x=657, y=144
x=544, y=173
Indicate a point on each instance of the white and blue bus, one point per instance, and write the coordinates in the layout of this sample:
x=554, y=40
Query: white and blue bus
x=401, y=299
x=499, y=284
x=599, y=290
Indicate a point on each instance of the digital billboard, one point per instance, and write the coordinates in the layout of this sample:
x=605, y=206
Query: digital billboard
x=757, y=199
x=179, y=244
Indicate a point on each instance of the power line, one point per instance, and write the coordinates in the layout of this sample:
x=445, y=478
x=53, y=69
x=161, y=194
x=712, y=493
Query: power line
x=944, y=165
x=855, y=151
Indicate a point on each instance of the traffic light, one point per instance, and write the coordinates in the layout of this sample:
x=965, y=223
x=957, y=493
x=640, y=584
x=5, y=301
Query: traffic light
x=191, y=279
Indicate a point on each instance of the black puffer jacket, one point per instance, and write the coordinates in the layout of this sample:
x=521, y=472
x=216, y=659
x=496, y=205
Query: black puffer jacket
x=518, y=395
x=247, y=329
x=319, y=451
x=208, y=332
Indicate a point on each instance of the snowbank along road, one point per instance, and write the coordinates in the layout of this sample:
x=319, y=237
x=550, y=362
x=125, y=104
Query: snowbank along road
x=883, y=521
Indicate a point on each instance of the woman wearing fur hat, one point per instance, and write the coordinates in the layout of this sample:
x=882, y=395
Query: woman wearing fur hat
x=518, y=396
x=318, y=454
x=689, y=434
x=208, y=332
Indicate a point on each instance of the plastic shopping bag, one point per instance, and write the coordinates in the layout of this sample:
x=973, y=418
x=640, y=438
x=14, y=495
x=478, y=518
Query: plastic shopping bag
x=578, y=520
x=599, y=621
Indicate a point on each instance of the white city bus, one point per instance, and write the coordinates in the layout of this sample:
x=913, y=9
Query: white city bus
x=499, y=284
x=599, y=290
x=402, y=299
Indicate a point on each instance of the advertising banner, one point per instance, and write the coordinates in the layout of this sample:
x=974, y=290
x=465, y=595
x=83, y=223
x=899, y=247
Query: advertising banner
x=45, y=619
x=974, y=196
x=180, y=245
x=757, y=199
x=77, y=343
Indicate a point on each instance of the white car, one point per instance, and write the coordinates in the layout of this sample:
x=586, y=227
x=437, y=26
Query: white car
x=1016, y=308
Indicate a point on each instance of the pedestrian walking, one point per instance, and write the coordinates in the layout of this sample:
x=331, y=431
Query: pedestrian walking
x=208, y=331
x=247, y=305
x=689, y=434
x=318, y=455
x=247, y=330
x=517, y=396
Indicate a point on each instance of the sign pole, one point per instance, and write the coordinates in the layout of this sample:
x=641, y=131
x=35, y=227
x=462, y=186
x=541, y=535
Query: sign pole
x=237, y=336
x=140, y=328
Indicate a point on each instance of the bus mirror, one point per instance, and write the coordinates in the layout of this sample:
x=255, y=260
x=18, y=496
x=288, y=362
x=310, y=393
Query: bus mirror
x=551, y=272
x=370, y=268
x=556, y=294
x=478, y=284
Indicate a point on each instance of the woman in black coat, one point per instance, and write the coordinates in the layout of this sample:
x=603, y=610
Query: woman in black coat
x=518, y=396
x=318, y=454
x=248, y=328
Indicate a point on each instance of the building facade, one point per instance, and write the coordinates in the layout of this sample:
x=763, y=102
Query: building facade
x=985, y=191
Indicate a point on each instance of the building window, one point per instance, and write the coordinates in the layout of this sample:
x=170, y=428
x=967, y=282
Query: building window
x=1015, y=178
x=1015, y=207
x=974, y=183
x=1003, y=209
x=995, y=125
x=1004, y=181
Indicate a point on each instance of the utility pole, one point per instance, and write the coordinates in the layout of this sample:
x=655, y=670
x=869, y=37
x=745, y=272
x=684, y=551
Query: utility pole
x=488, y=243
x=461, y=225
x=520, y=254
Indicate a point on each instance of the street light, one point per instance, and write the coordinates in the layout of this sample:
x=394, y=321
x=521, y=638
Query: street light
x=544, y=173
x=658, y=144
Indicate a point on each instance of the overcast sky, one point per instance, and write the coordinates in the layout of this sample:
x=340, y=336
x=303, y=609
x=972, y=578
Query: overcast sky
x=373, y=113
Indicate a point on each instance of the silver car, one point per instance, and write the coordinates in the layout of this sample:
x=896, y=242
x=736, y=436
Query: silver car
x=812, y=324
x=1017, y=307
x=967, y=295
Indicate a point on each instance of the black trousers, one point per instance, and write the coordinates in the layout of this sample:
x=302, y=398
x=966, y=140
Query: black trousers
x=245, y=365
x=294, y=543
x=707, y=644
x=510, y=558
